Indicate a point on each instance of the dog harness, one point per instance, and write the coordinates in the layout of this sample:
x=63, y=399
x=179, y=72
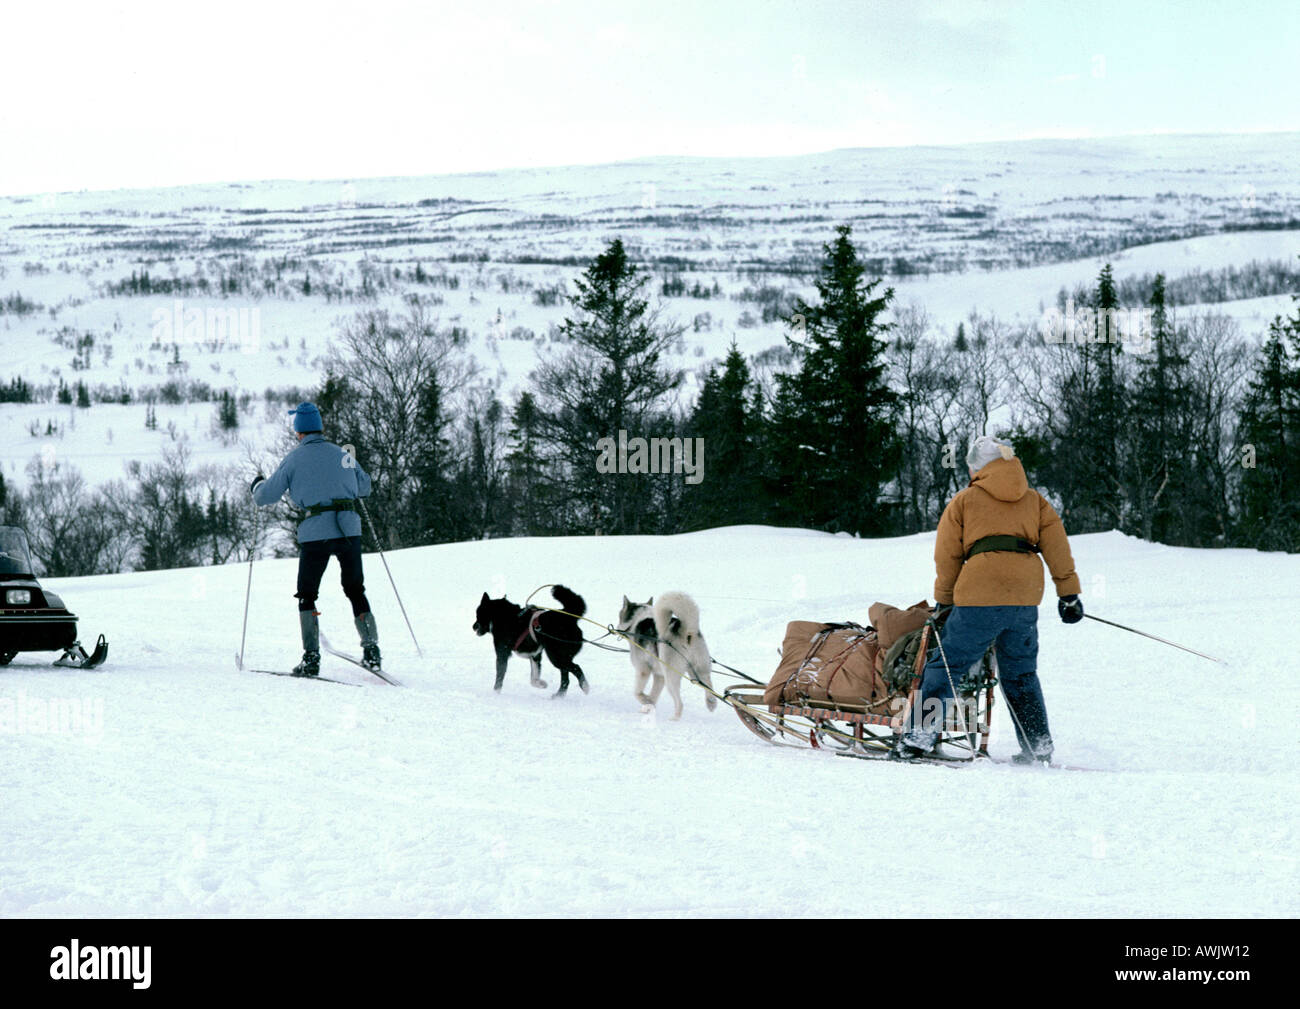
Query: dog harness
x=530, y=630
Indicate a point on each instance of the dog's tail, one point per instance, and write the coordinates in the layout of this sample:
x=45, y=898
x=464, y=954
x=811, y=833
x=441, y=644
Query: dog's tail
x=682, y=606
x=569, y=600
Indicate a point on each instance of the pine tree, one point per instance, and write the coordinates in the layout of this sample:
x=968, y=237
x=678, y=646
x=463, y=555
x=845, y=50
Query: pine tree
x=83, y=396
x=728, y=417
x=1109, y=408
x=610, y=379
x=1269, y=435
x=526, y=469
x=431, y=501
x=832, y=432
x=1158, y=450
x=227, y=413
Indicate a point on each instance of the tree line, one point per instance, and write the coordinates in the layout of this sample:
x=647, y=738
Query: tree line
x=860, y=425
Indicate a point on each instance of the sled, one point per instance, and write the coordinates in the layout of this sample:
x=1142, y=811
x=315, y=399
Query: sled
x=34, y=619
x=871, y=730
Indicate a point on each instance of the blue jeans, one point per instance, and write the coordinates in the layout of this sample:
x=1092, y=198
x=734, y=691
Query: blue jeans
x=966, y=636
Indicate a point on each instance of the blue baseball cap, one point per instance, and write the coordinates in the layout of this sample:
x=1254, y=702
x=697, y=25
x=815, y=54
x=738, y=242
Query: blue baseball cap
x=306, y=418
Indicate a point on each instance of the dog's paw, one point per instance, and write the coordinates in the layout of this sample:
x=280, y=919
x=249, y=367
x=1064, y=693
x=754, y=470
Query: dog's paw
x=647, y=708
x=558, y=695
x=710, y=701
x=539, y=684
x=586, y=687
x=645, y=700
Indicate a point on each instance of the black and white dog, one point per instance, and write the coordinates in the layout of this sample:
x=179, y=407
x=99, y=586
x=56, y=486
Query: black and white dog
x=666, y=645
x=531, y=630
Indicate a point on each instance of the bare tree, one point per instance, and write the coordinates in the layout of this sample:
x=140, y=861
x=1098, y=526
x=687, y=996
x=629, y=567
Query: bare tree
x=390, y=387
x=67, y=528
x=1218, y=366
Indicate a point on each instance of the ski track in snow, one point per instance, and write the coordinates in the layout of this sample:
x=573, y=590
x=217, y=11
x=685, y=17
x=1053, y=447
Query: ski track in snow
x=212, y=792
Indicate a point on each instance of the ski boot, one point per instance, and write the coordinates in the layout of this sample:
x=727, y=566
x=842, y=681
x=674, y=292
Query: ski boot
x=1026, y=757
x=369, y=633
x=310, y=664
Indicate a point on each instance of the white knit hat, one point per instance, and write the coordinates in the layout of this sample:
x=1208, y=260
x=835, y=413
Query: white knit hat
x=984, y=449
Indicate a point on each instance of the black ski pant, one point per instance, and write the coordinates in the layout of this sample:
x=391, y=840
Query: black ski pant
x=314, y=555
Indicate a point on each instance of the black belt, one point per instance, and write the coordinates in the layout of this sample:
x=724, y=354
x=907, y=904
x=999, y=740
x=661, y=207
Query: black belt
x=1014, y=543
x=339, y=504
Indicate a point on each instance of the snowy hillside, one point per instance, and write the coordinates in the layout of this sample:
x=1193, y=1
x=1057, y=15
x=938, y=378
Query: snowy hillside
x=194, y=789
x=271, y=269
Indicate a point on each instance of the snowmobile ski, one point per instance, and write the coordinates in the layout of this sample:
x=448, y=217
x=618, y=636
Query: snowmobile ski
x=75, y=657
x=327, y=647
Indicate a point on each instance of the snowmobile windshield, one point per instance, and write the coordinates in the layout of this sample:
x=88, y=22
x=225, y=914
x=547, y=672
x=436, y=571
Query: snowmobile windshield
x=14, y=556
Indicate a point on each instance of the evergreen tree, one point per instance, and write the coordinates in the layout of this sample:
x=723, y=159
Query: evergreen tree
x=1102, y=433
x=526, y=469
x=1159, y=449
x=610, y=379
x=1269, y=434
x=227, y=413
x=728, y=417
x=433, y=508
x=834, y=445
x=83, y=396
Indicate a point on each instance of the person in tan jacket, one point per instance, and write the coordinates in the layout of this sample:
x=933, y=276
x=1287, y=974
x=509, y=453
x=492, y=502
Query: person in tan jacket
x=988, y=585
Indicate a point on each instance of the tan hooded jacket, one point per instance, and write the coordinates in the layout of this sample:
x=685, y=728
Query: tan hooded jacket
x=999, y=502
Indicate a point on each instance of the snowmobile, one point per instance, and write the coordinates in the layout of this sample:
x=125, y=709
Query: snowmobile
x=33, y=619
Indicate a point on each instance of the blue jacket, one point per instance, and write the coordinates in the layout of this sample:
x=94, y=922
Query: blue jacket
x=317, y=472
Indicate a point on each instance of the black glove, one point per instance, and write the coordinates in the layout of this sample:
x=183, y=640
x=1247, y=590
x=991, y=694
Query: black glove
x=941, y=610
x=256, y=480
x=1070, y=608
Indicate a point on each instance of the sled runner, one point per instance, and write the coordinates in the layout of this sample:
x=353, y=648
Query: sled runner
x=34, y=619
x=851, y=689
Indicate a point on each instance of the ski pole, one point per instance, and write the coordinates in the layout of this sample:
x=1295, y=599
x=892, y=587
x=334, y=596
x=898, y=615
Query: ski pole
x=248, y=591
x=375, y=533
x=1153, y=637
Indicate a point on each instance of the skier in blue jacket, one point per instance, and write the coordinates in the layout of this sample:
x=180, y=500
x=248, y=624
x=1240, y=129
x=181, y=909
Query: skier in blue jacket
x=326, y=481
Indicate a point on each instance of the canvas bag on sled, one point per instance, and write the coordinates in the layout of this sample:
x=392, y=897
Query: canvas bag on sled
x=827, y=662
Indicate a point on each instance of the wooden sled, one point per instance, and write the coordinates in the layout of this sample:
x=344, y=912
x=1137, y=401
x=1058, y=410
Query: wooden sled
x=867, y=730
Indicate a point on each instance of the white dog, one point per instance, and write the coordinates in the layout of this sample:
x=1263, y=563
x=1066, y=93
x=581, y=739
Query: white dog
x=667, y=645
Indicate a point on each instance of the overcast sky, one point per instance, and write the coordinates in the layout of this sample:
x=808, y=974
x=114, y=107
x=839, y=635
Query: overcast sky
x=113, y=95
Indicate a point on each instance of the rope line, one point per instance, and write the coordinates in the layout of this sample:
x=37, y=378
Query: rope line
x=798, y=726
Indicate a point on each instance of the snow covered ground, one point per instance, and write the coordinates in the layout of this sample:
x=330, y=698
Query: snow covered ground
x=194, y=789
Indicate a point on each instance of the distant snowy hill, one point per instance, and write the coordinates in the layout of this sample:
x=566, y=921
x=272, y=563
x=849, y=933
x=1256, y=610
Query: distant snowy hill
x=270, y=269
x=200, y=790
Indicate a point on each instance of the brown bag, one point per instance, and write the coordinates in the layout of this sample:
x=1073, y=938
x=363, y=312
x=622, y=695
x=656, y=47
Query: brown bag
x=891, y=623
x=827, y=662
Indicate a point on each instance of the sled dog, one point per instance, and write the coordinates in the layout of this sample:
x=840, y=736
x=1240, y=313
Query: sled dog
x=531, y=631
x=666, y=644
